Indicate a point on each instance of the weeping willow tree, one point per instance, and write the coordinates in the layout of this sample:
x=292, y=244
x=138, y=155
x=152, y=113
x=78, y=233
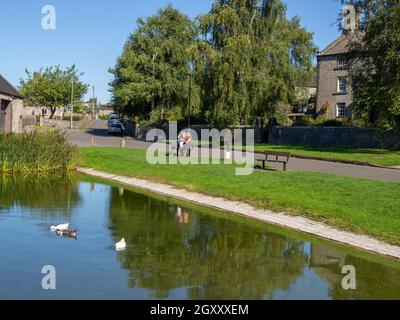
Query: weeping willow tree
x=248, y=59
x=244, y=57
x=152, y=75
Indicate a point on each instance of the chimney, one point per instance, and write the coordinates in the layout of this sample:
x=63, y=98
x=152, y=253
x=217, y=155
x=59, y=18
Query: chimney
x=351, y=18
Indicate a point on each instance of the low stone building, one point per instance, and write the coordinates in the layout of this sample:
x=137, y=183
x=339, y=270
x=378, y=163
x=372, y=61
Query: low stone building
x=43, y=112
x=334, y=94
x=105, y=110
x=11, y=108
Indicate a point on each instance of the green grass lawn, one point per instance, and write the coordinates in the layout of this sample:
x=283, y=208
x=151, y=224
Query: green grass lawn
x=380, y=157
x=362, y=206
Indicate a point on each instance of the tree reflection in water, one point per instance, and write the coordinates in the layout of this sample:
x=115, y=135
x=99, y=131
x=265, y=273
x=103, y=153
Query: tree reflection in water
x=173, y=252
x=50, y=194
x=212, y=257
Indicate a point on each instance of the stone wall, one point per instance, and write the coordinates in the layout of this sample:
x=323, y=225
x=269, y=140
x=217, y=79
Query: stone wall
x=334, y=136
x=28, y=123
x=64, y=124
x=142, y=133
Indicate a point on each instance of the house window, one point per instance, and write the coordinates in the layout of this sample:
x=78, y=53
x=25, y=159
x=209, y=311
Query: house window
x=341, y=110
x=342, y=85
x=341, y=63
x=44, y=112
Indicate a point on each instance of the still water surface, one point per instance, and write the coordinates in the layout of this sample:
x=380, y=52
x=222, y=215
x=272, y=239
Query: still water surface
x=175, y=250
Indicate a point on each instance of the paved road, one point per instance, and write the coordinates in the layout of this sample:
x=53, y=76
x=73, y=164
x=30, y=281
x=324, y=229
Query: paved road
x=97, y=129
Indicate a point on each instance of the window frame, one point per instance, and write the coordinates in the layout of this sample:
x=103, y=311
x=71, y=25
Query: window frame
x=341, y=107
x=339, y=88
x=341, y=64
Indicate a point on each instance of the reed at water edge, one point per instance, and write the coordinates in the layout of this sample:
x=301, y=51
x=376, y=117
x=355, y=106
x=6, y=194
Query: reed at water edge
x=36, y=152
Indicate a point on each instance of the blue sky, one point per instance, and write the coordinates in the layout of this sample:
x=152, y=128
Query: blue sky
x=91, y=33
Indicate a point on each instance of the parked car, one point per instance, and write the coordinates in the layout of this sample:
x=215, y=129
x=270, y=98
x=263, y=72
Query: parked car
x=112, y=117
x=115, y=128
x=115, y=121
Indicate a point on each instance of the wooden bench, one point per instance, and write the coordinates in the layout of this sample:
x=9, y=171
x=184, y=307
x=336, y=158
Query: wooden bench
x=275, y=157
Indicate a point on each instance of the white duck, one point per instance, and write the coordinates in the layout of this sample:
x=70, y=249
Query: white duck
x=60, y=227
x=120, y=246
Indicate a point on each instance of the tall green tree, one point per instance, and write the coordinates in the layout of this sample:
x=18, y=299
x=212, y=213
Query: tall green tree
x=374, y=63
x=51, y=87
x=151, y=77
x=248, y=59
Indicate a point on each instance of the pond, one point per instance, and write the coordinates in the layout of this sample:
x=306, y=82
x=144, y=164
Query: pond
x=174, y=250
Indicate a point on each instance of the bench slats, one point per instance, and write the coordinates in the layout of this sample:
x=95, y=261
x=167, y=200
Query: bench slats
x=279, y=157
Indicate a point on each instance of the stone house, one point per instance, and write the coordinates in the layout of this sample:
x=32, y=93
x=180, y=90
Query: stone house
x=43, y=112
x=334, y=94
x=11, y=108
x=105, y=110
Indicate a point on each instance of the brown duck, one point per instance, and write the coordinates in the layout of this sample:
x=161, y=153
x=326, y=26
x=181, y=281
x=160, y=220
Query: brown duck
x=68, y=233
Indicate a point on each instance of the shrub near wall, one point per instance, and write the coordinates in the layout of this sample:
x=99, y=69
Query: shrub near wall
x=37, y=152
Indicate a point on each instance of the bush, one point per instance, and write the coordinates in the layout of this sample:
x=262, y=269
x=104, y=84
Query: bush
x=304, y=121
x=308, y=121
x=143, y=124
x=74, y=118
x=37, y=152
x=333, y=123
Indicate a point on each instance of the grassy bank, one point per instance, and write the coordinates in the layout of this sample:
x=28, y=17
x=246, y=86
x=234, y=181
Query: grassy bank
x=362, y=206
x=380, y=157
x=36, y=152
